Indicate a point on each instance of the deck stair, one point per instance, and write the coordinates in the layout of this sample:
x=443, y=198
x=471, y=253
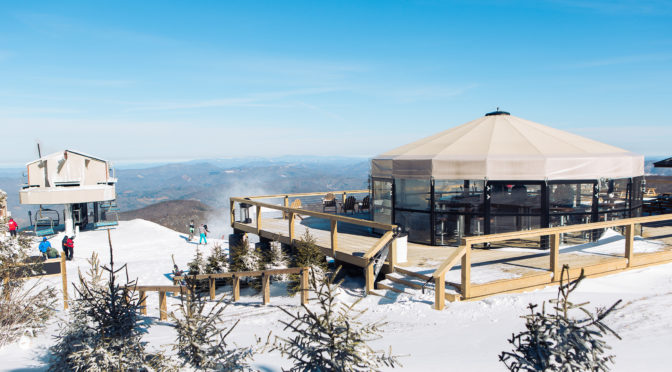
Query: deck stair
x=412, y=283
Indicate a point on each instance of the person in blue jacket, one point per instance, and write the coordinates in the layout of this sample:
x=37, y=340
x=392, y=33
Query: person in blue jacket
x=44, y=247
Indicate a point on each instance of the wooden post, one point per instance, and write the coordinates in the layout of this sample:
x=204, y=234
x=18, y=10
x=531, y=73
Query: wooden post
x=555, y=256
x=258, y=220
x=266, y=288
x=291, y=227
x=286, y=201
x=211, y=282
x=236, y=288
x=368, y=274
x=64, y=278
x=440, y=292
x=143, y=303
x=334, y=238
x=304, y=286
x=163, y=309
x=345, y=195
x=392, y=256
x=629, y=243
x=232, y=211
x=466, y=272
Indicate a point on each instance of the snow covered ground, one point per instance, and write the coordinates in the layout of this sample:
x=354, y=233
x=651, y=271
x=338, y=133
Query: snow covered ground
x=464, y=337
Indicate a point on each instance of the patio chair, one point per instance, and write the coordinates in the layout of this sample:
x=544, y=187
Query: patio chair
x=365, y=204
x=349, y=205
x=296, y=204
x=329, y=201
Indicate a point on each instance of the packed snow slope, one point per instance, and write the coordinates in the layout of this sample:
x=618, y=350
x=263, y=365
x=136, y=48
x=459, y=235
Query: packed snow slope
x=464, y=337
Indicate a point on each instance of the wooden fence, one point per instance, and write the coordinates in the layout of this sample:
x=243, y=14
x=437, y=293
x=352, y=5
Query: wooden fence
x=52, y=267
x=464, y=251
x=366, y=261
x=235, y=276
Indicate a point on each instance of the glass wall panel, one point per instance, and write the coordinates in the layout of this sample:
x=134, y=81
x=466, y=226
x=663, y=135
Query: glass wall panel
x=412, y=194
x=458, y=196
x=614, y=198
x=570, y=203
x=382, y=201
x=416, y=224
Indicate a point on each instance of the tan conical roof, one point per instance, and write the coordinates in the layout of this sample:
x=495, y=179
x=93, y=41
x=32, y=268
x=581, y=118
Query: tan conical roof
x=506, y=147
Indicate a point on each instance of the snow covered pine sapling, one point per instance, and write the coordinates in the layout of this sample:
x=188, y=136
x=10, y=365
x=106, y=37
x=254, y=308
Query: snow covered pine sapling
x=307, y=254
x=559, y=342
x=200, y=343
x=330, y=337
x=25, y=306
x=105, y=327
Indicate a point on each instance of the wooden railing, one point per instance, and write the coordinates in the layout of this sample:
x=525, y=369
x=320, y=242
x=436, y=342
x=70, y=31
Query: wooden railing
x=162, y=290
x=334, y=219
x=265, y=281
x=463, y=253
x=62, y=272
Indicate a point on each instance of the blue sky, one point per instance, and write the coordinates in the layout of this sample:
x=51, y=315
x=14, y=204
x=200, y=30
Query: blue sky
x=159, y=80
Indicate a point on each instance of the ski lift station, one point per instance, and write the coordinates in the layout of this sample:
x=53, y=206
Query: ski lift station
x=74, y=180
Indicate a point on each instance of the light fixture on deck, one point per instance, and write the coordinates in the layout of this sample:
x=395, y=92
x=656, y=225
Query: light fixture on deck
x=245, y=213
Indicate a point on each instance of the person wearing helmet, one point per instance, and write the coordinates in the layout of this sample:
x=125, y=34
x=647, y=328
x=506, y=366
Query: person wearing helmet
x=44, y=247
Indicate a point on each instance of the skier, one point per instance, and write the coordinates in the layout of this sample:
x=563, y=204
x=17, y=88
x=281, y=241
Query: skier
x=44, y=247
x=13, y=227
x=192, y=228
x=203, y=231
x=69, y=247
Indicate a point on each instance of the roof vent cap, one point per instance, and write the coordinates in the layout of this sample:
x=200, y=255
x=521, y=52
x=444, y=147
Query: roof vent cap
x=498, y=112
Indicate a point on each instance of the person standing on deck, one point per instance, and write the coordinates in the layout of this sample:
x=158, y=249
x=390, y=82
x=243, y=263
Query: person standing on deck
x=203, y=232
x=13, y=227
x=192, y=228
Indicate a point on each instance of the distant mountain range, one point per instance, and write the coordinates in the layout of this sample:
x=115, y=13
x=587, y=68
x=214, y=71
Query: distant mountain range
x=213, y=181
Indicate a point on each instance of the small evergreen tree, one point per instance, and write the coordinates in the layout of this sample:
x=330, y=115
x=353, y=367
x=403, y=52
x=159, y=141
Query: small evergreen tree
x=330, y=337
x=217, y=262
x=559, y=342
x=105, y=328
x=307, y=254
x=200, y=344
x=245, y=257
x=25, y=306
x=276, y=259
x=197, y=265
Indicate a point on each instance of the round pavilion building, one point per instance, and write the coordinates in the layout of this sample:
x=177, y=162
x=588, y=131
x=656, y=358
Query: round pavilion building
x=500, y=173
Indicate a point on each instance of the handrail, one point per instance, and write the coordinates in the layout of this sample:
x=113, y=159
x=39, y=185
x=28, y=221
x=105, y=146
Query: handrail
x=380, y=244
x=564, y=229
x=464, y=250
x=242, y=274
x=328, y=216
x=450, y=262
x=307, y=194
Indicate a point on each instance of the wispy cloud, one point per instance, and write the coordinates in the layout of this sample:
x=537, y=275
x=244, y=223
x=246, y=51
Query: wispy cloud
x=263, y=99
x=622, y=60
x=417, y=93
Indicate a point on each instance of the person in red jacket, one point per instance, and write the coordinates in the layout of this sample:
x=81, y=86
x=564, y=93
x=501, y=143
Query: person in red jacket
x=13, y=227
x=68, y=248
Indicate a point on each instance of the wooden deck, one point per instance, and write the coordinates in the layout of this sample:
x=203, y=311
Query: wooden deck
x=468, y=272
x=488, y=265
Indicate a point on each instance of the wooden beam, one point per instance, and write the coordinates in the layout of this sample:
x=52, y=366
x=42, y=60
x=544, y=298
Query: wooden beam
x=466, y=272
x=291, y=227
x=450, y=262
x=258, y=219
x=232, y=211
x=160, y=288
x=236, y=288
x=230, y=274
x=555, y=256
x=368, y=276
x=275, y=196
x=504, y=285
x=629, y=243
x=380, y=244
x=440, y=292
x=305, y=286
x=64, y=280
x=266, y=288
x=213, y=287
x=143, y=303
x=392, y=256
x=334, y=237
x=163, y=309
